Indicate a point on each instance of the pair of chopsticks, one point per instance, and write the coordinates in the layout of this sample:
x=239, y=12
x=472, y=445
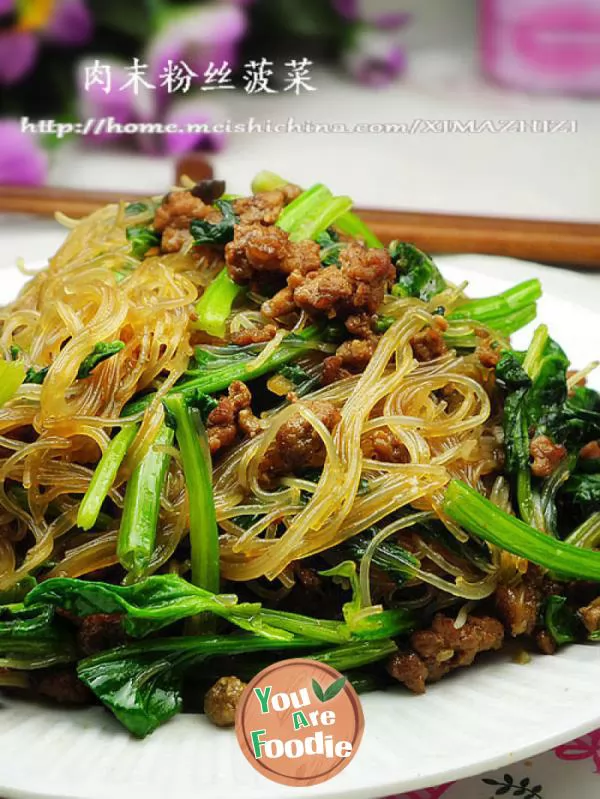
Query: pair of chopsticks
x=562, y=243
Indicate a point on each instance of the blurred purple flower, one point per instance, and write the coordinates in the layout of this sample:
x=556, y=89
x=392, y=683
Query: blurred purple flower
x=349, y=9
x=197, y=36
x=71, y=23
x=67, y=22
x=18, y=53
x=375, y=58
x=22, y=161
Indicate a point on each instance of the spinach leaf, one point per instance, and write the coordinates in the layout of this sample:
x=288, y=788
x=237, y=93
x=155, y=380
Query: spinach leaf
x=327, y=238
x=204, y=403
x=510, y=373
x=142, y=690
x=148, y=605
x=34, y=633
x=162, y=600
x=535, y=385
x=516, y=382
x=141, y=683
x=133, y=209
x=582, y=416
x=19, y=590
x=389, y=556
x=221, y=232
x=36, y=376
x=561, y=620
x=330, y=245
x=418, y=276
x=548, y=393
x=383, y=323
x=583, y=492
x=101, y=352
x=142, y=239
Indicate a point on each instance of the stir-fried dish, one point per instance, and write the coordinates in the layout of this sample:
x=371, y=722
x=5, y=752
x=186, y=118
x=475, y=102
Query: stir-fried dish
x=240, y=429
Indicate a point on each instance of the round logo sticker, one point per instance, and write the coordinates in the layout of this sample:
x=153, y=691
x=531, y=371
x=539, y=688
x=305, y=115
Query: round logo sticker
x=299, y=722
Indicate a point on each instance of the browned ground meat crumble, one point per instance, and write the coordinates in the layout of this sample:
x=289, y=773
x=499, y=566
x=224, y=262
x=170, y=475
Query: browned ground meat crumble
x=591, y=451
x=62, y=685
x=518, y=607
x=297, y=444
x=443, y=648
x=545, y=642
x=352, y=356
x=487, y=354
x=254, y=335
x=357, y=285
x=174, y=216
x=180, y=208
x=257, y=249
x=546, y=455
x=383, y=445
x=590, y=616
x=429, y=344
x=221, y=700
x=100, y=631
x=265, y=206
x=233, y=413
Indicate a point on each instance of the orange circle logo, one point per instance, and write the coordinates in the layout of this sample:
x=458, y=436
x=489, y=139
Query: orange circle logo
x=299, y=722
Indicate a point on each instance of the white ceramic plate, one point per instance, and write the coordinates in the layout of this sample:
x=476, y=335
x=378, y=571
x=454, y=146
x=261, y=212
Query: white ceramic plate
x=478, y=719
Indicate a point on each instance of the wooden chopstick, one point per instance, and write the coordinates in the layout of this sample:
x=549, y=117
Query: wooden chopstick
x=563, y=243
x=574, y=244
x=46, y=200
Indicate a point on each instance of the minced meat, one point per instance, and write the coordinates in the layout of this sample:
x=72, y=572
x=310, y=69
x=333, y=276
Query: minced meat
x=263, y=208
x=280, y=305
x=266, y=206
x=254, y=335
x=488, y=355
x=590, y=616
x=382, y=445
x=545, y=642
x=174, y=216
x=545, y=455
x=351, y=358
x=223, y=423
x=297, y=444
x=518, y=606
x=222, y=699
x=357, y=285
x=429, y=344
x=100, y=631
x=590, y=452
x=62, y=685
x=263, y=249
x=443, y=648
